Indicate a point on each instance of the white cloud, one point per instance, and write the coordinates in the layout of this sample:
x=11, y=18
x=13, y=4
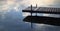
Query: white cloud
x=10, y=4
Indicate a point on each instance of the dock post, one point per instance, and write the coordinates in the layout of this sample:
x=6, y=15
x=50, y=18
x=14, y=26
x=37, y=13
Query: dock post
x=31, y=17
x=36, y=7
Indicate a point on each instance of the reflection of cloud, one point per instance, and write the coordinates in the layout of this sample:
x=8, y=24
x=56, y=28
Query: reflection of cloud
x=44, y=27
x=26, y=14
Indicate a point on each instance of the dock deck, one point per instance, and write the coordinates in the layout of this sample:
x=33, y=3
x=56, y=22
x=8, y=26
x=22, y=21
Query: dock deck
x=42, y=19
x=49, y=10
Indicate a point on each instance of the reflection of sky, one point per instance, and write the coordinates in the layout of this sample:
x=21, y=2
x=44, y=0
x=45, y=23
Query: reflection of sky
x=11, y=15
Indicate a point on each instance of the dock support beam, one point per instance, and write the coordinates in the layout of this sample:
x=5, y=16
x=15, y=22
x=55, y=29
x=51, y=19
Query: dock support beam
x=36, y=7
x=31, y=17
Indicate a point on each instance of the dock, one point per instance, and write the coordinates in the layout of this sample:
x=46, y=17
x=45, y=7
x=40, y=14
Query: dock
x=49, y=10
x=42, y=19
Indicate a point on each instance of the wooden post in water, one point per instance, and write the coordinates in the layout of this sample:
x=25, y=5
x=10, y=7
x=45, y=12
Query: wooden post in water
x=36, y=7
x=31, y=17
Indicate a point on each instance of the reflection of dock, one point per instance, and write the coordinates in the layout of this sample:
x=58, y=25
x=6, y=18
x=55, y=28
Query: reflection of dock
x=42, y=19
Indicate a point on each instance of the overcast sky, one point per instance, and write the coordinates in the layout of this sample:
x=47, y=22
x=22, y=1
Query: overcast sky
x=14, y=4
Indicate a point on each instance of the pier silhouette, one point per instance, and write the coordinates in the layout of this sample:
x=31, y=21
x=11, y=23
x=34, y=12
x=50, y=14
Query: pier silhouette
x=42, y=19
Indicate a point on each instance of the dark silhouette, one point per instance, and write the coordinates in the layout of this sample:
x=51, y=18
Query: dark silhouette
x=42, y=19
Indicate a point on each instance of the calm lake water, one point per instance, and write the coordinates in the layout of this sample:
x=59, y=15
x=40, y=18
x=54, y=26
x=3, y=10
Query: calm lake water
x=11, y=18
x=13, y=21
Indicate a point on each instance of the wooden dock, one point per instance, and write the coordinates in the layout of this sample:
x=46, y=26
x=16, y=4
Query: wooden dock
x=49, y=10
x=42, y=19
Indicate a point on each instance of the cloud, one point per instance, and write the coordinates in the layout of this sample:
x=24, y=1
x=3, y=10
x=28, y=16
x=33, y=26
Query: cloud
x=38, y=2
x=2, y=0
x=15, y=4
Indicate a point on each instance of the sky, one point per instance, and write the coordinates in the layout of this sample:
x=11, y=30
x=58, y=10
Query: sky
x=18, y=5
x=6, y=5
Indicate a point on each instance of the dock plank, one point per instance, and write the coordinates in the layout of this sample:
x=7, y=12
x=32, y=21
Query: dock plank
x=49, y=10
